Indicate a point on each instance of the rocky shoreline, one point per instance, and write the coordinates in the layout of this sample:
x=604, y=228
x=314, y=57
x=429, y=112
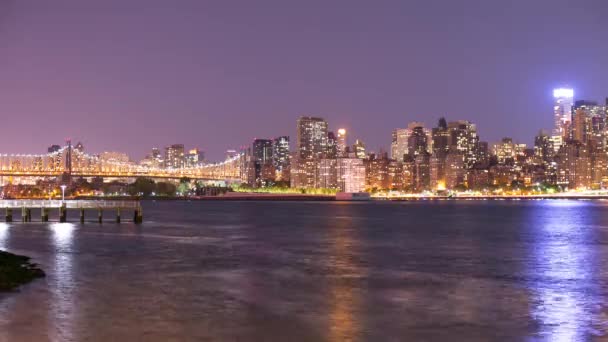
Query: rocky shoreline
x=16, y=270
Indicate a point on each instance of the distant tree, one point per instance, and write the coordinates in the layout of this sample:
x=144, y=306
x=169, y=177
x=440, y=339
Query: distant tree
x=165, y=189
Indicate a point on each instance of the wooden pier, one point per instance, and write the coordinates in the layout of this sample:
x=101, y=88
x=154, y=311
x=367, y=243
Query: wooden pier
x=62, y=207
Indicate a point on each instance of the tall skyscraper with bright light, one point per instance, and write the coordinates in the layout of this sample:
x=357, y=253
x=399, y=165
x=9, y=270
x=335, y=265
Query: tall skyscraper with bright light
x=562, y=111
x=341, y=142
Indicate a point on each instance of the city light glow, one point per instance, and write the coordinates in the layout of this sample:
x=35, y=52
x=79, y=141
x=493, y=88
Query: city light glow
x=563, y=92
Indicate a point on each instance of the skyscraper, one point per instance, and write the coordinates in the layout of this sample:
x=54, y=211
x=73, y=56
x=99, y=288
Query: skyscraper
x=174, y=156
x=311, y=137
x=262, y=150
x=359, y=149
x=562, y=111
x=312, y=142
x=342, y=142
x=464, y=139
x=280, y=153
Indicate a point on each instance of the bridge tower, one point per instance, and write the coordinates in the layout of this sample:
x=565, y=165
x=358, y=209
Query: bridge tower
x=68, y=161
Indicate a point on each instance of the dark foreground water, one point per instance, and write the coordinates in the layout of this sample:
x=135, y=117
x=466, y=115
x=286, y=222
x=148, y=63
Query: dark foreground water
x=297, y=271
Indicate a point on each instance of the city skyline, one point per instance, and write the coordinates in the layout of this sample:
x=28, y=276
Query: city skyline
x=191, y=79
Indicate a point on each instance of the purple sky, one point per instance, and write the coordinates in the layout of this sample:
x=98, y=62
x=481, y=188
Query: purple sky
x=133, y=74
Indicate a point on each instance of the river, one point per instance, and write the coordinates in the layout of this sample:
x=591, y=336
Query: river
x=317, y=271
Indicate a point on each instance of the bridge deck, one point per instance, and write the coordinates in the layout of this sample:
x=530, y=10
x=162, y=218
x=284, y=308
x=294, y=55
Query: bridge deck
x=71, y=204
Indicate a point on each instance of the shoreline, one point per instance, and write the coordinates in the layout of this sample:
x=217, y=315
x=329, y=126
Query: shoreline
x=238, y=196
x=17, y=270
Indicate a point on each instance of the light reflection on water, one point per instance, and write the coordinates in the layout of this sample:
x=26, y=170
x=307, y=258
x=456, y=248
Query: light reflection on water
x=63, y=288
x=344, y=302
x=4, y=231
x=564, y=265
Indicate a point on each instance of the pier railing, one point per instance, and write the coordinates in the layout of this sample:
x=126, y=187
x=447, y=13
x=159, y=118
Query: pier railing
x=70, y=204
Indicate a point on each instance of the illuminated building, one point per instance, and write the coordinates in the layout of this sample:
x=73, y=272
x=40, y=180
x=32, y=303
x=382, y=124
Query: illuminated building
x=174, y=156
x=581, y=126
x=422, y=172
x=359, y=149
x=327, y=174
x=376, y=172
x=411, y=140
x=408, y=175
x=441, y=137
x=504, y=151
x=351, y=175
x=562, y=111
x=114, y=157
x=399, y=143
x=437, y=169
x=312, y=139
x=342, y=142
x=464, y=139
x=280, y=157
x=543, y=147
x=395, y=175
x=194, y=157
x=574, y=165
x=332, y=146
x=417, y=141
x=454, y=170
x=262, y=151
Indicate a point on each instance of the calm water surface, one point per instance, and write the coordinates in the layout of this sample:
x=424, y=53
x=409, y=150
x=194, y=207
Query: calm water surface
x=299, y=271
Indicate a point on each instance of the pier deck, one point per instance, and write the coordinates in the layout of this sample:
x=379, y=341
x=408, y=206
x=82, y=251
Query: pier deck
x=26, y=206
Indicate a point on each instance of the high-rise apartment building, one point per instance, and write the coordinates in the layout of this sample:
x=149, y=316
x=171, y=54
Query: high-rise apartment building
x=174, y=156
x=280, y=153
x=312, y=143
x=261, y=150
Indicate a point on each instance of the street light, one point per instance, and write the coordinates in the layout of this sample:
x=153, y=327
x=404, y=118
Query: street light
x=63, y=193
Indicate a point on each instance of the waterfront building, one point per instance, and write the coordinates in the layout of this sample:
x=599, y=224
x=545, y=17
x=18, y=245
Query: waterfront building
x=395, y=175
x=422, y=172
x=574, y=165
x=327, y=173
x=437, y=170
x=454, y=170
x=351, y=174
x=280, y=157
x=174, y=156
x=311, y=137
x=312, y=142
x=376, y=172
x=409, y=173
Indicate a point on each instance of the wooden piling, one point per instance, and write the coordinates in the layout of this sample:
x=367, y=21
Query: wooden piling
x=44, y=214
x=100, y=215
x=9, y=215
x=117, y=215
x=81, y=215
x=63, y=213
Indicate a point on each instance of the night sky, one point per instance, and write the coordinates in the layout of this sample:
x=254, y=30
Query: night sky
x=133, y=74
